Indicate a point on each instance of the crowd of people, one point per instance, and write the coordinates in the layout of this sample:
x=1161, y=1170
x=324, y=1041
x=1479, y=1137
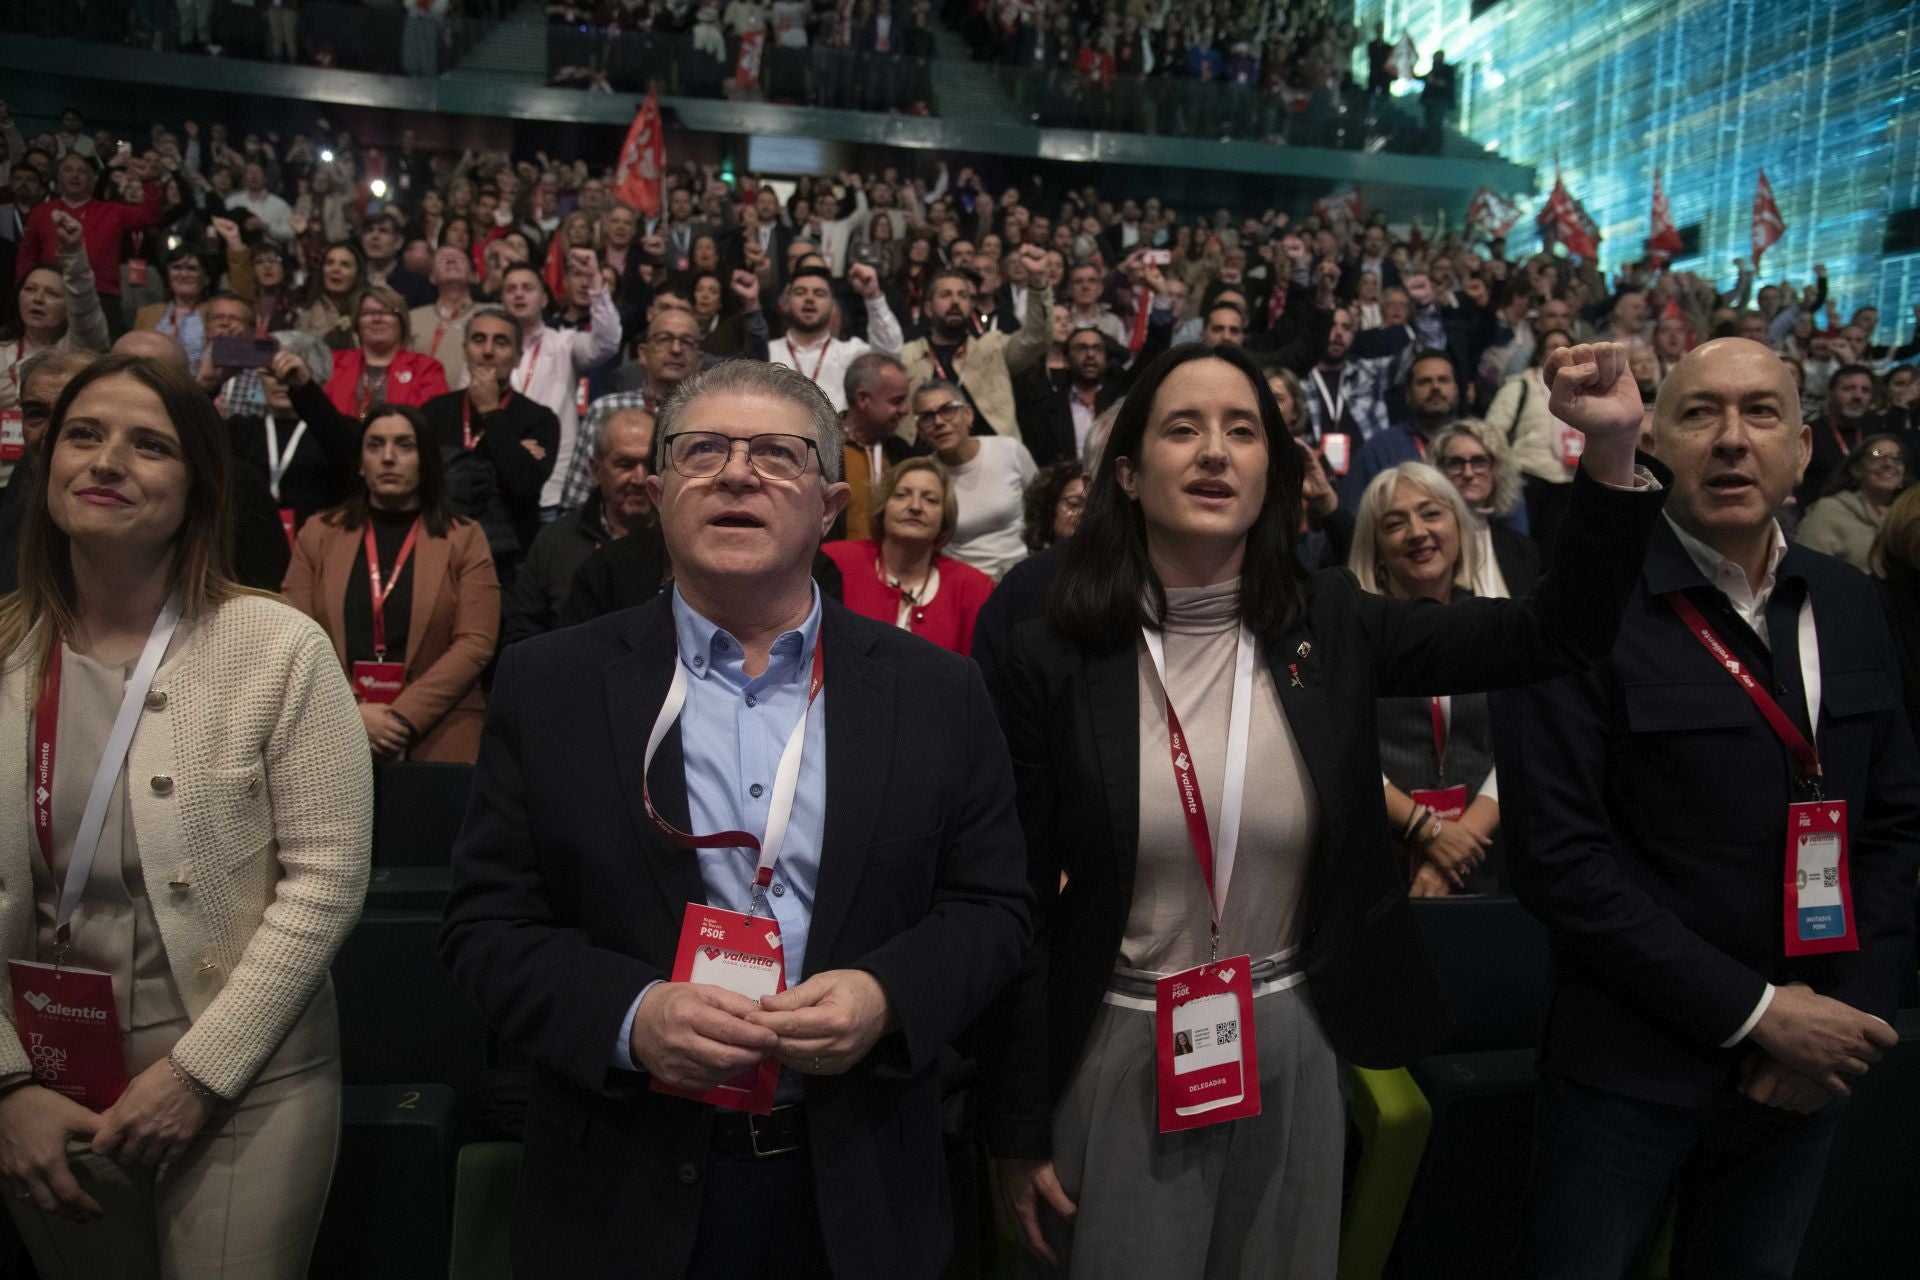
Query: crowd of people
x=474, y=418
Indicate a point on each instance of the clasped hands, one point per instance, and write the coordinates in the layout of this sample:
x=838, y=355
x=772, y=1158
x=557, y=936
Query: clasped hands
x=1809, y=1046
x=694, y=1036
x=151, y=1124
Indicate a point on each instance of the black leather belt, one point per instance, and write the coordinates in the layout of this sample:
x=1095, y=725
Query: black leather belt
x=739, y=1135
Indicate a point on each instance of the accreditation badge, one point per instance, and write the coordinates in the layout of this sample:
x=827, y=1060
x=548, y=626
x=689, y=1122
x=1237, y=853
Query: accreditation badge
x=1446, y=802
x=70, y=1028
x=1818, y=901
x=379, y=682
x=13, y=436
x=742, y=954
x=1337, y=448
x=1208, y=1069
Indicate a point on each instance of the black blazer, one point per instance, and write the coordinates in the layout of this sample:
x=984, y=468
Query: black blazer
x=566, y=902
x=1518, y=557
x=1072, y=720
x=1647, y=803
x=1046, y=417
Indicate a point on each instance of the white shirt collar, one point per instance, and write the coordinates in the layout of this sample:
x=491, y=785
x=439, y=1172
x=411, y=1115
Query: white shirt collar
x=1730, y=579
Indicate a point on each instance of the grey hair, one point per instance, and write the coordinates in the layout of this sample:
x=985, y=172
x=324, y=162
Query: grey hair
x=756, y=377
x=1506, y=476
x=864, y=371
x=1363, y=561
x=313, y=353
x=932, y=385
x=495, y=312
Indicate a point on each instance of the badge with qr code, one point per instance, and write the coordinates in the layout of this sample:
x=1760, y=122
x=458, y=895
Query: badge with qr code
x=1817, y=910
x=1208, y=1071
x=723, y=948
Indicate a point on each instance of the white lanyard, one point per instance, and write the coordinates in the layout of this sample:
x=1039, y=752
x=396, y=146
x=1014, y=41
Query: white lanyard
x=786, y=777
x=278, y=462
x=86, y=842
x=1226, y=839
x=1336, y=404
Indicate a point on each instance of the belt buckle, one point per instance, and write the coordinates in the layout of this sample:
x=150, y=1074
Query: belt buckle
x=753, y=1136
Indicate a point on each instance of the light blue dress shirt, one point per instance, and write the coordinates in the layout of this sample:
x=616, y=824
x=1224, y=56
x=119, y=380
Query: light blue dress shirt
x=732, y=731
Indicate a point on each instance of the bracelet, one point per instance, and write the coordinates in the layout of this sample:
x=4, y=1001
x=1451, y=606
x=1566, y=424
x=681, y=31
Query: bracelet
x=194, y=1087
x=1414, y=820
x=1433, y=832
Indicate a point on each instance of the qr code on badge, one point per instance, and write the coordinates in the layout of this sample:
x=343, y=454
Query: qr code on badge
x=1226, y=1032
x=1830, y=877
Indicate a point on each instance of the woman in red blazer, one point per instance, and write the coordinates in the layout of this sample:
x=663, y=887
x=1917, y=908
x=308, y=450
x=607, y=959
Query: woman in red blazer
x=900, y=577
x=381, y=370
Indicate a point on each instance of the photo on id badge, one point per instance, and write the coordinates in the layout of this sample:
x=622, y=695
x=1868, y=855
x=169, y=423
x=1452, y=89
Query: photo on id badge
x=1206, y=1037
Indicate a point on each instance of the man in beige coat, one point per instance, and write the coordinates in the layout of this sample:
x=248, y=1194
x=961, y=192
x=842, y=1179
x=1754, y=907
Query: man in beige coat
x=982, y=364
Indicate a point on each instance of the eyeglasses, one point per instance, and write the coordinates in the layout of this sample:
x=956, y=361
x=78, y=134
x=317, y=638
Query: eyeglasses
x=668, y=341
x=945, y=413
x=1886, y=455
x=1460, y=466
x=266, y=259
x=773, y=455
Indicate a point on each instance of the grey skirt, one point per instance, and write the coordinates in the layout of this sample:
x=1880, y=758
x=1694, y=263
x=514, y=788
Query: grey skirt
x=1258, y=1197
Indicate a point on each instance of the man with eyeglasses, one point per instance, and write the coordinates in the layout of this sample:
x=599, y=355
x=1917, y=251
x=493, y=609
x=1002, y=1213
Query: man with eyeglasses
x=733, y=759
x=554, y=363
x=1433, y=401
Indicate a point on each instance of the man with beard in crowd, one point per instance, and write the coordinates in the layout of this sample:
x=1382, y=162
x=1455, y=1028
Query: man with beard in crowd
x=809, y=346
x=983, y=366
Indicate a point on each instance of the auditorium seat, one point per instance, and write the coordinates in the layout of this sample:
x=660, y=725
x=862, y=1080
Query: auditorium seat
x=1392, y=1119
x=416, y=812
x=1864, y=1223
x=1464, y=1213
x=483, y=1210
x=389, y=1212
x=401, y=1020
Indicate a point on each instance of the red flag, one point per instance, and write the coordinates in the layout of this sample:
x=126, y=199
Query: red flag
x=1768, y=226
x=746, y=71
x=1665, y=239
x=643, y=159
x=1562, y=219
x=1492, y=215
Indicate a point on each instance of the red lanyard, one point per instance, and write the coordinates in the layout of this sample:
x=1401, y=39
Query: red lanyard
x=793, y=358
x=382, y=588
x=533, y=363
x=1142, y=308
x=763, y=873
x=1420, y=445
x=46, y=730
x=1439, y=735
x=959, y=354
x=1783, y=726
x=1839, y=439
x=466, y=417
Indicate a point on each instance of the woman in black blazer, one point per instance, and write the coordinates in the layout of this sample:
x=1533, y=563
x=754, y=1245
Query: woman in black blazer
x=1192, y=508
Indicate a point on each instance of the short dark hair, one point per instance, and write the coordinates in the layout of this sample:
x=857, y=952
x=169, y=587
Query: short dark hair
x=353, y=513
x=948, y=273
x=1847, y=370
x=1107, y=588
x=1425, y=354
x=805, y=273
x=527, y=267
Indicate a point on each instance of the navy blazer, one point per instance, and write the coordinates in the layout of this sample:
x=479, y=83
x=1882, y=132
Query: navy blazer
x=1072, y=717
x=1646, y=806
x=566, y=902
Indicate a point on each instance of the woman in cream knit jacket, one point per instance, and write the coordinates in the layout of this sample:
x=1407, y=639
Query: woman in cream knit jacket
x=230, y=864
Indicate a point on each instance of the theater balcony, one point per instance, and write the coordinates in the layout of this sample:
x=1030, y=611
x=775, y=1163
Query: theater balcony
x=798, y=110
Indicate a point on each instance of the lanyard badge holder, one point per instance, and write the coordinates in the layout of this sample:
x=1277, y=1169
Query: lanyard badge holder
x=66, y=1018
x=1449, y=803
x=722, y=948
x=380, y=681
x=1207, y=1065
x=278, y=460
x=1816, y=900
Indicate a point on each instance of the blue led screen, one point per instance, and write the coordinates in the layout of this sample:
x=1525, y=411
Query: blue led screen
x=1824, y=96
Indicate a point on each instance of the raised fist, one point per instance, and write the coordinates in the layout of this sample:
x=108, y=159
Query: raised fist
x=67, y=230
x=864, y=279
x=1595, y=393
x=746, y=287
